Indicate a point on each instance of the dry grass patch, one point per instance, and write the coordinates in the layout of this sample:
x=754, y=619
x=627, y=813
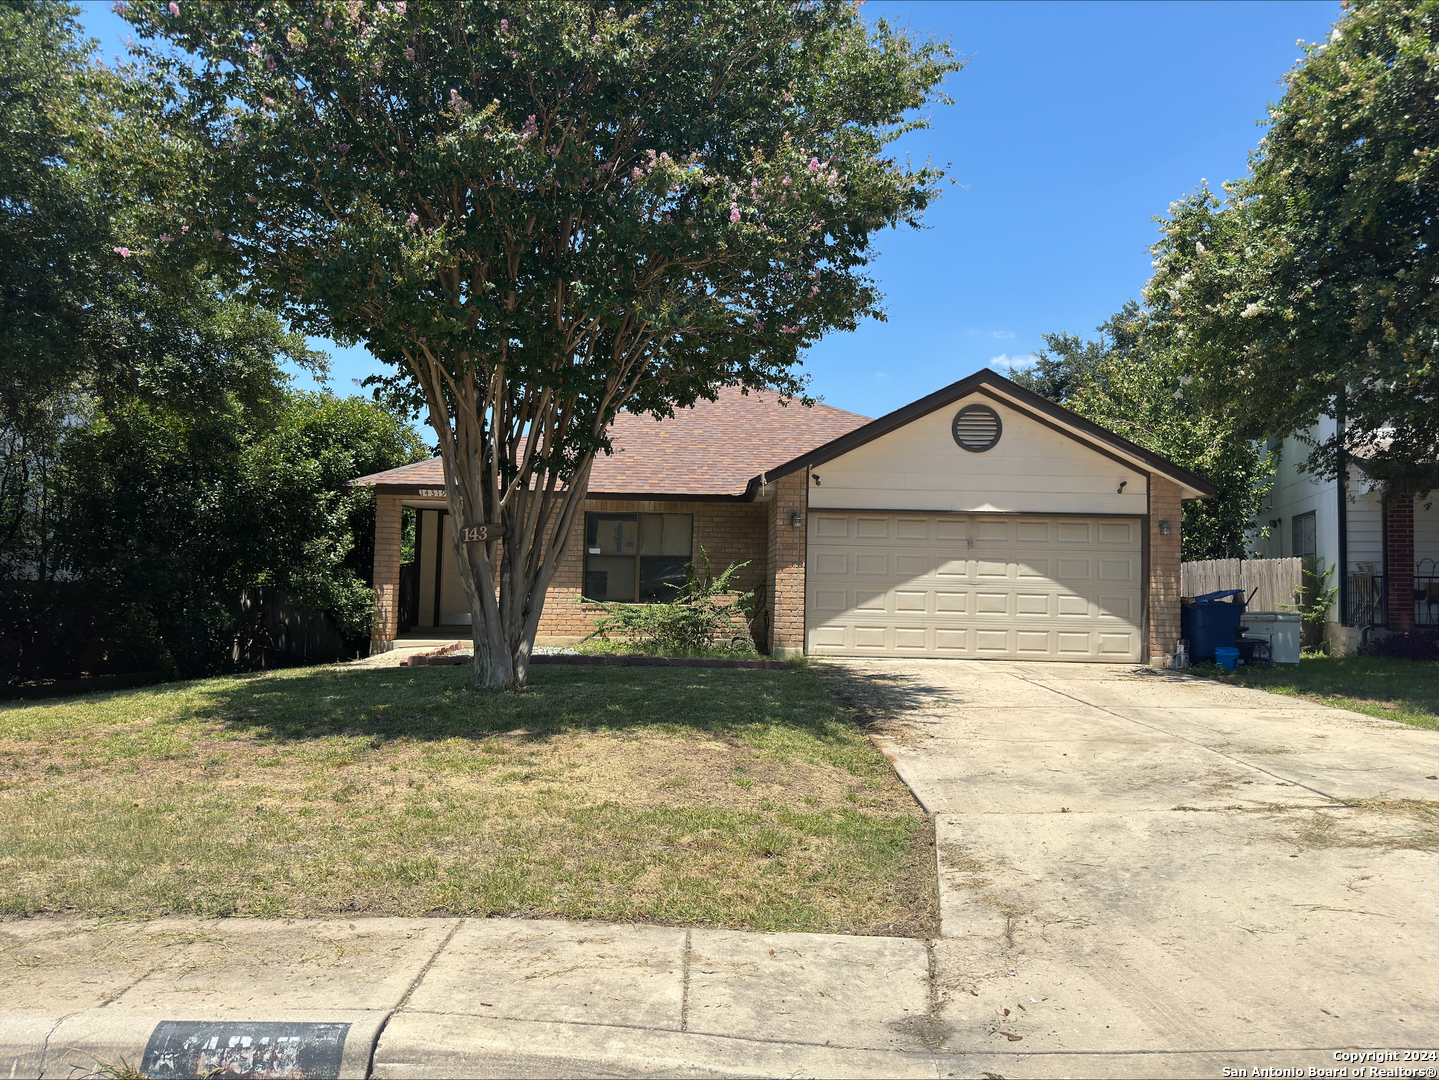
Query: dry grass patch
x=729, y=798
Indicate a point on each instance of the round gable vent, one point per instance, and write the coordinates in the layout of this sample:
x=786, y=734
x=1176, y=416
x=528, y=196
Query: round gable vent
x=977, y=428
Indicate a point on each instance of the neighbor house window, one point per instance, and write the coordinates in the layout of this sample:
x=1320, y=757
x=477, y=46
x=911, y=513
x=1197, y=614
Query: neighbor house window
x=636, y=557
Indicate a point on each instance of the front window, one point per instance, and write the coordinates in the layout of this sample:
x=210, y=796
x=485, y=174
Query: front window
x=635, y=558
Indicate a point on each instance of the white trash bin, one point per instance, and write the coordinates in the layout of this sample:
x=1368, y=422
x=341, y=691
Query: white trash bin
x=1280, y=629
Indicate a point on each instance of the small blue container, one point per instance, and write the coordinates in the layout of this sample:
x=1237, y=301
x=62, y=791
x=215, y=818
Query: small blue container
x=1228, y=659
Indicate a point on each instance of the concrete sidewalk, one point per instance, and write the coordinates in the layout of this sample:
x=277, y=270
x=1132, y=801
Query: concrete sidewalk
x=515, y=997
x=473, y=997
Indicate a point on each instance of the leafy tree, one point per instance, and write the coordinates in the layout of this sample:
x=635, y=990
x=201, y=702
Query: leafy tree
x=1127, y=382
x=543, y=213
x=1310, y=288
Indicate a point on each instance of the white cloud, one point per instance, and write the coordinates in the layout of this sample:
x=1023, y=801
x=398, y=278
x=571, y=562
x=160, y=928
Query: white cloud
x=1001, y=334
x=1005, y=360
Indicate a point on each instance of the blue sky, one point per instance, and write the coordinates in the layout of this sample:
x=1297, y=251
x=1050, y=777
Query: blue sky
x=1073, y=125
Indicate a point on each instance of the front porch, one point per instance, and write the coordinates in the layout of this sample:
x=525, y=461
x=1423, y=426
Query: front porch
x=1399, y=591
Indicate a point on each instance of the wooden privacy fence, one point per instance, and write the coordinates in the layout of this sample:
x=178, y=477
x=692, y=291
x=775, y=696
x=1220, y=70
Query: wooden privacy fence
x=1280, y=581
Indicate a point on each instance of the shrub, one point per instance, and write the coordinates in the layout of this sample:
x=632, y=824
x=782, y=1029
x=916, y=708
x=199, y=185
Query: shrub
x=705, y=613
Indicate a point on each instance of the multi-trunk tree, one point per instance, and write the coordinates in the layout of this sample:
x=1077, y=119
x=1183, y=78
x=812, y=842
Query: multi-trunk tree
x=541, y=214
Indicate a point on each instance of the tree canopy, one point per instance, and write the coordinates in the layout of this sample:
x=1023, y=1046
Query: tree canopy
x=1127, y=381
x=153, y=458
x=542, y=214
x=1312, y=287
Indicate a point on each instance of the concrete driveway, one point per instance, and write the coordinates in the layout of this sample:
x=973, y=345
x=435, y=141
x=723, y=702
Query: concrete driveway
x=1149, y=873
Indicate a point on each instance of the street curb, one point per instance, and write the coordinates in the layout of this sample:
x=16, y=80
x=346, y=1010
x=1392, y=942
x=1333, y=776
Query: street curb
x=87, y=1042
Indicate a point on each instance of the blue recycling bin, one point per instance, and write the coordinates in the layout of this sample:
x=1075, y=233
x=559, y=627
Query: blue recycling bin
x=1212, y=622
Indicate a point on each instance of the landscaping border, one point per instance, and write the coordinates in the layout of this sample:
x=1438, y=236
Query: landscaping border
x=457, y=659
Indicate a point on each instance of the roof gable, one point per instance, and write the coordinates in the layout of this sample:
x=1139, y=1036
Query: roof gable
x=990, y=384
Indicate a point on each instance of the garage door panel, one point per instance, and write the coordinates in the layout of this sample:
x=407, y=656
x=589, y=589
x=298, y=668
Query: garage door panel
x=991, y=603
x=1031, y=603
x=911, y=600
x=951, y=603
x=1116, y=533
x=911, y=566
x=969, y=585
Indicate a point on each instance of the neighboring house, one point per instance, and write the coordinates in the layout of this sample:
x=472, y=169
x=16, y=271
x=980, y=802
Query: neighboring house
x=1388, y=549
x=982, y=521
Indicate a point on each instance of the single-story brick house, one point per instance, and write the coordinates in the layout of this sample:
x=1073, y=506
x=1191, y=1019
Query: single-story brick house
x=981, y=521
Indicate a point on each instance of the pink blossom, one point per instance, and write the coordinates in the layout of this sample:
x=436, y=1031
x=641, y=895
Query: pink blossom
x=514, y=55
x=118, y=7
x=252, y=198
x=597, y=39
x=412, y=220
x=344, y=148
x=174, y=8
x=165, y=238
x=733, y=212
x=785, y=181
x=218, y=234
x=184, y=228
x=123, y=252
x=380, y=7
x=458, y=103
x=814, y=164
x=409, y=54
x=504, y=26
x=637, y=173
x=605, y=167
x=531, y=128
x=814, y=292
x=329, y=24
x=400, y=9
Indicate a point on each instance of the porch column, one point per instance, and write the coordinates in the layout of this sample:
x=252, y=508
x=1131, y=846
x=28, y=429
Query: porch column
x=385, y=622
x=786, y=564
x=1398, y=563
x=1165, y=505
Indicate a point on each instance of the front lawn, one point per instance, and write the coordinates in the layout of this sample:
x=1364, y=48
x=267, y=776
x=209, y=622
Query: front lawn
x=729, y=797
x=1404, y=690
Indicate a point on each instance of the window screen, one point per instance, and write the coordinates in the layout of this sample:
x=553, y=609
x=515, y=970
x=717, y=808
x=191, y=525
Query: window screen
x=636, y=557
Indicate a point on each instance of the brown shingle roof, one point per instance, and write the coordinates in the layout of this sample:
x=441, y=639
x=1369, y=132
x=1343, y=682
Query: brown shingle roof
x=714, y=448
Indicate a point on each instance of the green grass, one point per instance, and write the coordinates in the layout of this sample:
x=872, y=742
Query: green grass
x=1403, y=690
x=679, y=795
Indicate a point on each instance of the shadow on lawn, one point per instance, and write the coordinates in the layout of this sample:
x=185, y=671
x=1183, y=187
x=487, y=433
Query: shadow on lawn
x=435, y=704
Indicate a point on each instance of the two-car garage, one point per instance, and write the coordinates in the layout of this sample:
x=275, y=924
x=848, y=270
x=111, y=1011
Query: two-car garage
x=984, y=522
x=977, y=586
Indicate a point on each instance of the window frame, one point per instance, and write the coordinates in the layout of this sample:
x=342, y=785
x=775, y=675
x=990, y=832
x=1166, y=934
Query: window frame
x=636, y=516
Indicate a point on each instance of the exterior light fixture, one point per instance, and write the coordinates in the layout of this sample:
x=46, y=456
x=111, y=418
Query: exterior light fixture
x=1165, y=528
x=794, y=519
x=1122, y=485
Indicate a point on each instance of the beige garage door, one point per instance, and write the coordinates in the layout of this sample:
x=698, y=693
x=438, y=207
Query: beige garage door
x=977, y=586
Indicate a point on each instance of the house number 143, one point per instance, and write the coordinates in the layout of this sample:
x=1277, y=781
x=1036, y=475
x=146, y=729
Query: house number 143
x=480, y=534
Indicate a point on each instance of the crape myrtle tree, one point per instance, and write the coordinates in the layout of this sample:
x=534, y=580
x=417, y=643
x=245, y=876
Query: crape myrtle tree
x=1312, y=287
x=542, y=213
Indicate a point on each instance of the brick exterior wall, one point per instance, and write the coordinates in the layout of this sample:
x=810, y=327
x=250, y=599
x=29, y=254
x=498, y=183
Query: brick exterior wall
x=730, y=532
x=786, y=561
x=385, y=622
x=1164, y=572
x=1398, y=563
